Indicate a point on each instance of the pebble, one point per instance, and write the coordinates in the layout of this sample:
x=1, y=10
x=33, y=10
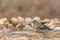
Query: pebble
x=14, y=20
x=46, y=20
x=28, y=20
x=22, y=38
x=20, y=19
x=57, y=28
x=33, y=38
x=37, y=19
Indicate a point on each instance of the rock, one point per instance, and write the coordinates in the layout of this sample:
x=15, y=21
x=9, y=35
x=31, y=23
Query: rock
x=28, y=20
x=14, y=21
x=6, y=30
x=3, y=20
x=8, y=25
x=57, y=28
x=23, y=38
x=3, y=38
x=20, y=26
x=57, y=20
x=37, y=19
x=1, y=26
x=46, y=20
x=33, y=38
x=35, y=22
x=20, y=19
x=54, y=38
x=51, y=24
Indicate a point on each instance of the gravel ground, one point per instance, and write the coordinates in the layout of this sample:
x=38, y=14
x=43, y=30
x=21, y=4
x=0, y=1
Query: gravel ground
x=29, y=35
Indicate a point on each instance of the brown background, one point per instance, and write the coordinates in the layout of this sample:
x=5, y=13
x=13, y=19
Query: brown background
x=30, y=8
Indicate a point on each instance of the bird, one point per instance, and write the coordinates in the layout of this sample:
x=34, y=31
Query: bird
x=40, y=26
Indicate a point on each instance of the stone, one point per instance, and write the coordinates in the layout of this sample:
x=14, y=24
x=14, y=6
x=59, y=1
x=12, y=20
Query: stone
x=20, y=19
